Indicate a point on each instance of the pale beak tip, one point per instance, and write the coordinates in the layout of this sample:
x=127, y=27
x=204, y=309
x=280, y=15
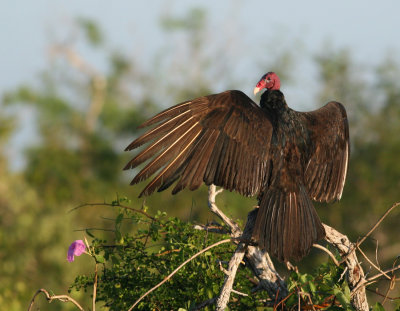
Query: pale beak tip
x=256, y=90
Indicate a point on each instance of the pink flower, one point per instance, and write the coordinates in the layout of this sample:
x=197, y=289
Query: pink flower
x=76, y=249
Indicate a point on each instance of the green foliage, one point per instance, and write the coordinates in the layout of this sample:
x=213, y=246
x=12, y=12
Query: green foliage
x=144, y=250
x=137, y=260
x=326, y=288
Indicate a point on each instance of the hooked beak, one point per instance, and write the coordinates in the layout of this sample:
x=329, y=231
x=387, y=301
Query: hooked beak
x=256, y=90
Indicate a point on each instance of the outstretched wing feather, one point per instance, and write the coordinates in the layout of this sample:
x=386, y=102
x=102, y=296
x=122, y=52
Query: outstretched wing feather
x=222, y=139
x=327, y=165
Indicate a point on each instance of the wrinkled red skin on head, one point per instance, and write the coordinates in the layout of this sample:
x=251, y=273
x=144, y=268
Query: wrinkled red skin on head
x=274, y=82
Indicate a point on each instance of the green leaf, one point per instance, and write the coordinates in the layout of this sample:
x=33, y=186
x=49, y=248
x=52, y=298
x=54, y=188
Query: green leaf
x=378, y=307
x=99, y=258
x=119, y=219
x=343, y=299
x=118, y=237
x=312, y=286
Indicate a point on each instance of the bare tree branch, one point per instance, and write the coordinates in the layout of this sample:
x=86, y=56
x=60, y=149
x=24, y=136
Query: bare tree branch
x=328, y=252
x=378, y=223
x=370, y=231
x=226, y=290
x=372, y=264
x=258, y=260
x=372, y=278
x=94, y=288
x=211, y=228
x=239, y=293
x=212, y=193
x=262, y=266
x=355, y=274
x=50, y=298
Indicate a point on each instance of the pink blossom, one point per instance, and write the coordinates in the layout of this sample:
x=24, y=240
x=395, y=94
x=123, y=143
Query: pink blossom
x=75, y=249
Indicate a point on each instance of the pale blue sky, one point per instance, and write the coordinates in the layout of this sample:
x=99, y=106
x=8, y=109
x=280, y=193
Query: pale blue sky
x=369, y=29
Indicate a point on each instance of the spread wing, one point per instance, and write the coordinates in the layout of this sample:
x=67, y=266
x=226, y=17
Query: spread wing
x=326, y=170
x=222, y=139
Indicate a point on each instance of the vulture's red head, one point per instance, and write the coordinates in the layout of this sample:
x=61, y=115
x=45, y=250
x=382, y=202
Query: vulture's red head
x=269, y=81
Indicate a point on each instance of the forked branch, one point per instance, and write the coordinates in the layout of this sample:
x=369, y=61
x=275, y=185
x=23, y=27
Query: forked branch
x=50, y=298
x=257, y=259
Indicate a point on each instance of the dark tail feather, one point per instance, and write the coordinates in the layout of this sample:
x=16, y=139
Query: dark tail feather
x=287, y=224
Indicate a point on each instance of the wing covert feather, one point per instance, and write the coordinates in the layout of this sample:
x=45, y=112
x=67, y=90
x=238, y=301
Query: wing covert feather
x=222, y=139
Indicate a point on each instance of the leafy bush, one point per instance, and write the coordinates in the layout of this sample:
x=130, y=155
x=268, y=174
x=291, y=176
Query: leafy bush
x=144, y=250
x=136, y=261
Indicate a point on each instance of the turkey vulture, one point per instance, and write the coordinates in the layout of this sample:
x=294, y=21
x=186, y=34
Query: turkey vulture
x=285, y=157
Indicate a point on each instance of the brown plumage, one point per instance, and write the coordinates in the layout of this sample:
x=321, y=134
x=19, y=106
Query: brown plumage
x=286, y=158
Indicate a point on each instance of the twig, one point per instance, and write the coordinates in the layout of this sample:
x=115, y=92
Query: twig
x=309, y=298
x=291, y=267
x=114, y=205
x=222, y=268
x=168, y=252
x=259, y=261
x=219, y=191
x=94, y=229
x=299, y=303
x=94, y=288
x=372, y=279
x=282, y=301
x=211, y=228
x=75, y=59
x=376, y=253
x=370, y=231
x=343, y=274
x=328, y=252
x=382, y=273
x=177, y=269
x=370, y=261
x=50, y=298
x=382, y=295
x=378, y=223
x=390, y=287
x=212, y=193
x=239, y=293
x=276, y=297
